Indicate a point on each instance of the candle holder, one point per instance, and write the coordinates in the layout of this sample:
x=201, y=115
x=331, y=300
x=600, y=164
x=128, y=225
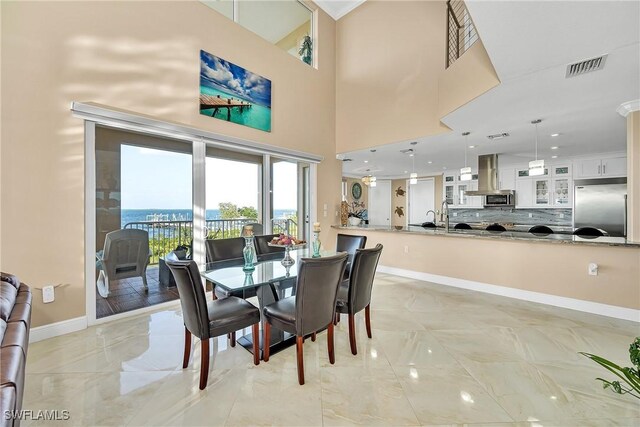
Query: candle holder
x=316, y=244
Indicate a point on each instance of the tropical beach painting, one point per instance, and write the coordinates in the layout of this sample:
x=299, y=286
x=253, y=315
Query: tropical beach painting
x=229, y=92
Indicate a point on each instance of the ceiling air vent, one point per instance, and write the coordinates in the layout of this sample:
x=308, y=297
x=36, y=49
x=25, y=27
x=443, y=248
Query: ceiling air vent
x=347, y=160
x=498, y=136
x=406, y=151
x=586, y=66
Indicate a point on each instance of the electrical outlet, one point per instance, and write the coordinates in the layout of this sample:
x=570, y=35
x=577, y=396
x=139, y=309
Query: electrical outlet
x=477, y=214
x=592, y=269
x=324, y=213
x=406, y=249
x=561, y=216
x=455, y=214
x=530, y=215
x=48, y=294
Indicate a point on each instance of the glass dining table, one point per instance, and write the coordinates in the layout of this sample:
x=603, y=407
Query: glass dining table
x=270, y=281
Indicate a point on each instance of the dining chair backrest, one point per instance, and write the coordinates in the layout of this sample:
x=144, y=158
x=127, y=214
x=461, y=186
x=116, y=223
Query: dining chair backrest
x=266, y=251
x=317, y=291
x=192, y=296
x=588, y=231
x=258, y=229
x=462, y=226
x=349, y=244
x=363, y=272
x=224, y=249
x=496, y=227
x=540, y=229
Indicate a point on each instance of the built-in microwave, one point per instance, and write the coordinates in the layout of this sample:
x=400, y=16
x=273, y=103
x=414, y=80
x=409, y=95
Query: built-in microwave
x=500, y=200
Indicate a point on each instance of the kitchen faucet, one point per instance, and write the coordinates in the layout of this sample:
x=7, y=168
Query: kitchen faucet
x=434, y=215
x=445, y=213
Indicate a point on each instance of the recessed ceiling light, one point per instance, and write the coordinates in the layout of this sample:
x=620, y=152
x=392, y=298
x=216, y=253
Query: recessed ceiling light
x=366, y=161
x=429, y=162
x=411, y=155
x=444, y=168
x=555, y=134
x=554, y=157
x=554, y=147
x=406, y=171
x=472, y=146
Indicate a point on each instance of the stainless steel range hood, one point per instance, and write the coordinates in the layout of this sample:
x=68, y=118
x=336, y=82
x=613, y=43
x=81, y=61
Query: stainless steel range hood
x=488, y=177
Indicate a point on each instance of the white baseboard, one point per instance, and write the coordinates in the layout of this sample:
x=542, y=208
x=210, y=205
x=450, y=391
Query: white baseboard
x=59, y=328
x=554, y=300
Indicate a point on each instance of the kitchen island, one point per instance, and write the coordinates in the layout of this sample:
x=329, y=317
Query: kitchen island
x=504, y=235
x=550, y=269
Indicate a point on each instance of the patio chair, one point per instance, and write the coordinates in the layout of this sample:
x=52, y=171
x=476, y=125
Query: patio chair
x=125, y=254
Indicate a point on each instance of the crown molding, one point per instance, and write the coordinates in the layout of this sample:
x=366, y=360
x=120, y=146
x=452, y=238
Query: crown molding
x=628, y=107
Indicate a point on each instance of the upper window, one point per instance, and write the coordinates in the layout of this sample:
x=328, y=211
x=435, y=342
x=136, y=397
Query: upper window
x=285, y=23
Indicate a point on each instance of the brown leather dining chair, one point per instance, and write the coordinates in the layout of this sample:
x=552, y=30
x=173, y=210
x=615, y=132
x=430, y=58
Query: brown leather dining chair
x=266, y=252
x=349, y=244
x=209, y=320
x=311, y=309
x=356, y=295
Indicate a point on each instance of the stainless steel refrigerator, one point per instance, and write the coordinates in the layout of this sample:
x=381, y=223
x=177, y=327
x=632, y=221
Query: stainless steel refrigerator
x=601, y=203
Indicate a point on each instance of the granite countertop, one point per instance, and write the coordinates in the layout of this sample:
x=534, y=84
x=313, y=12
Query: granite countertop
x=505, y=235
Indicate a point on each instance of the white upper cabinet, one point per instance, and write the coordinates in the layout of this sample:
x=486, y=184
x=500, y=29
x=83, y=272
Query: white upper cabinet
x=524, y=193
x=597, y=168
x=615, y=166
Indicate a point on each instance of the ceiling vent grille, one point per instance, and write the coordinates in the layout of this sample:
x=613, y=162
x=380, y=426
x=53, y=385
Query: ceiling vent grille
x=407, y=151
x=586, y=66
x=498, y=136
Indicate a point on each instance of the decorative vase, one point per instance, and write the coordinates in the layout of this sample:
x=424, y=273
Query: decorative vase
x=344, y=213
x=316, y=244
x=354, y=221
x=287, y=261
x=249, y=254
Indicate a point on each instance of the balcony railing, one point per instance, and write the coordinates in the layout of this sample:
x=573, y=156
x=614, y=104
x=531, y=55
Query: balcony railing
x=165, y=236
x=461, y=33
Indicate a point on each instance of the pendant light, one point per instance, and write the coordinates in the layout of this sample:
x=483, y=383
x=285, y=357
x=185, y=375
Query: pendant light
x=536, y=167
x=372, y=179
x=465, y=172
x=413, y=177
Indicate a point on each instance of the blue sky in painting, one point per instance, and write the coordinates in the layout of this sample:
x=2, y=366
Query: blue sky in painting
x=223, y=75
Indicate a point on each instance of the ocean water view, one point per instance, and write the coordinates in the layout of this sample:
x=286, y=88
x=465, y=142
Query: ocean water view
x=257, y=116
x=138, y=215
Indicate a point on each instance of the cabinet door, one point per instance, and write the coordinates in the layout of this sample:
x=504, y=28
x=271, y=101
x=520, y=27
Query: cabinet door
x=449, y=179
x=474, y=201
x=616, y=166
x=507, y=179
x=448, y=193
x=562, y=194
x=463, y=200
x=561, y=170
x=589, y=168
x=524, y=193
x=542, y=192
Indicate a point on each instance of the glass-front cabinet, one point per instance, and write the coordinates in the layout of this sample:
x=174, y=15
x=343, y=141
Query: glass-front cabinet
x=561, y=192
x=542, y=196
x=463, y=200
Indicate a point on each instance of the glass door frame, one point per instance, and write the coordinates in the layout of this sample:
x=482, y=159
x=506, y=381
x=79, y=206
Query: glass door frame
x=93, y=115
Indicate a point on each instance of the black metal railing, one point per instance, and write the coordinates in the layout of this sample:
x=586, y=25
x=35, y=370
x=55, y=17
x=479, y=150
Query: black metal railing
x=461, y=33
x=165, y=236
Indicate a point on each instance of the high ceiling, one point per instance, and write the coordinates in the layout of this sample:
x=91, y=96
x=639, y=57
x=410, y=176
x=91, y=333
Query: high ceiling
x=338, y=8
x=530, y=45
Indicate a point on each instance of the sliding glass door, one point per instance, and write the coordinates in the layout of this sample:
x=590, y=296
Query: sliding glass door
x=143, y=192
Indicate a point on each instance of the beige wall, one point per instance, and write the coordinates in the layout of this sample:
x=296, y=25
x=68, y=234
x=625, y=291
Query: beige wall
x=469, y=77
x=389, y=57
x=138, y=56
x=550, y=268
x=633, y=176
x=392, y=84
x=365, y=191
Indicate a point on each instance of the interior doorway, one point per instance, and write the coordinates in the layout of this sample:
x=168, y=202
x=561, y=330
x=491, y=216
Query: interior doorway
x=421, y=200
x=380, y=203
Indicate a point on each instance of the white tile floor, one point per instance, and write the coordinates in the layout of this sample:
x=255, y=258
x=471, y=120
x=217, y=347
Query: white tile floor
x=439, y=356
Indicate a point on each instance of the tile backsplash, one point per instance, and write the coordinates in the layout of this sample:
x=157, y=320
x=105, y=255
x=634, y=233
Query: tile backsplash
x=558, y=217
